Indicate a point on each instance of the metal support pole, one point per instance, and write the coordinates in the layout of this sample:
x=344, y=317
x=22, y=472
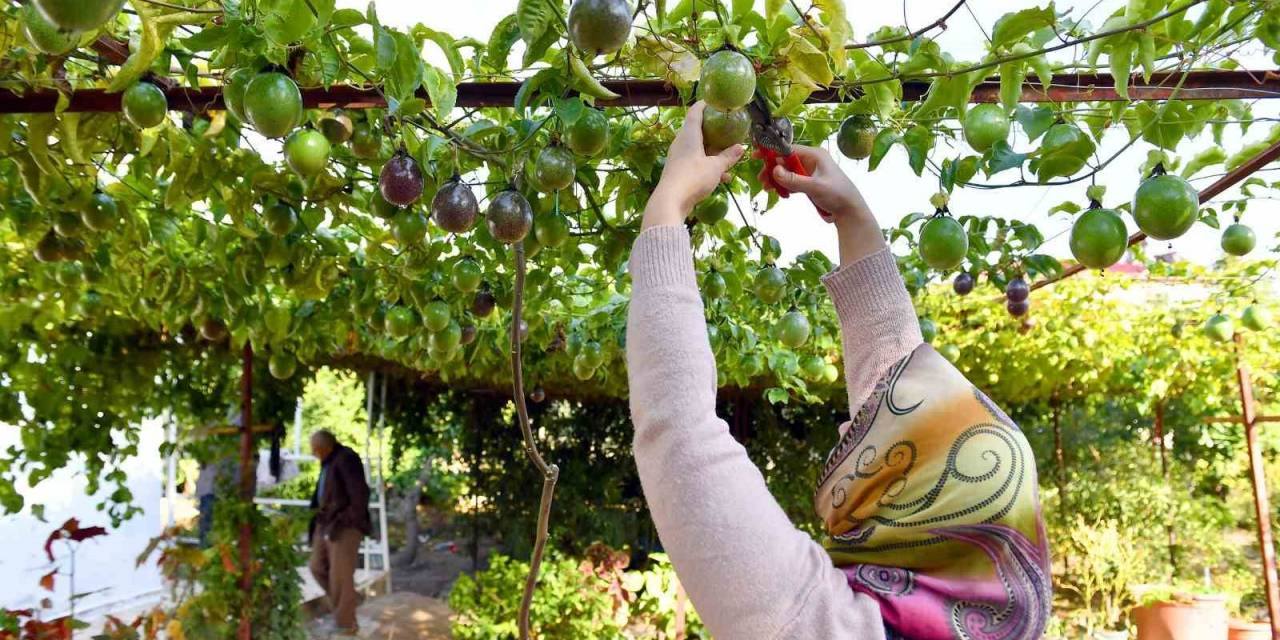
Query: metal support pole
x=1257, y=475
x=1164, y=476
x=248, y=475
x=171, y=469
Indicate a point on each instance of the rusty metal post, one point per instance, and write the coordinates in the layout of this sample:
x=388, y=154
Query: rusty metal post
x=1257, y=475
x=1164, y=475
x=248, y=476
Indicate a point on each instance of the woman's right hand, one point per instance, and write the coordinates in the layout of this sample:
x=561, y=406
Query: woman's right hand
x=832, y=191
x=826, y=185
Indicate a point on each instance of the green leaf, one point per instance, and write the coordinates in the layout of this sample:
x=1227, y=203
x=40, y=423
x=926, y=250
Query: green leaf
x=1002, y=157
x=966, y=168
x=504, y=36
x=346, y=18
x=1121, y=59
x=1206, y=158
x=208, y=39
x=1012, y=27
x=1041, y=264
x=286, y=21
x=442, y=91
x=918, y=141
x=569, y=109
x=448, y=46
x=1165, y=125
x=529, y=88
x=772, y=7
x=1147, y=53
x=1012, y=75
x=534, y=52
x=385, y=45
x=883, y=142
x=534, y=18
x=1034, y=120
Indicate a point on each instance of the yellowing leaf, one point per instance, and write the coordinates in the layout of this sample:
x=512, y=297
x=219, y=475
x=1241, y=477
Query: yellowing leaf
x=806, y=64
x=838, y=31
x=668, y=59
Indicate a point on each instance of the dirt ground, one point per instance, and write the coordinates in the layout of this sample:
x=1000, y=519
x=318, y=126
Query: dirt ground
x=418, y=606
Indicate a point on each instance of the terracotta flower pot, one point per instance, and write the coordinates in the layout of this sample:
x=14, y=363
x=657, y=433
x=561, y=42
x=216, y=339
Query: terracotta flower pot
x=1241, y=630
x=1202, y=618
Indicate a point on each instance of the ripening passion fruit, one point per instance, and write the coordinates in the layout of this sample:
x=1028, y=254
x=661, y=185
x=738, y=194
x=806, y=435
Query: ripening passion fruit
x=599, y=26
x=1017, y=290
x=337, y=127
x=1098, y=238
x=723, y=129
x=307, y=152
x=273, y=104
x=589, y=134
x=1165, y=206
x=483, y=304
x=509, y=216
x=144, y=105
x=554, y=168
x=856, y=137
x=943, y=243
x=101, y=213
x=1238, y=239
x=963, y=284
x=213, y=330
x=45, y=37
x=401, y=181
x=985, y=125
x=50, y=248
x=454, y=206
x=728, y=80
x=78, y=15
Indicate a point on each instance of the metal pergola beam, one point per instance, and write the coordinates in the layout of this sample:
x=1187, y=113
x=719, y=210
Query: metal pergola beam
x=1067, y=87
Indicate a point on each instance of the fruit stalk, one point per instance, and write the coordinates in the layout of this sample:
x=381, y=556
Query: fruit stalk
x=550, y=472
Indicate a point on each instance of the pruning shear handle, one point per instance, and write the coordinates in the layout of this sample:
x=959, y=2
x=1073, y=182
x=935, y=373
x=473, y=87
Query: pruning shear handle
x=772, y=138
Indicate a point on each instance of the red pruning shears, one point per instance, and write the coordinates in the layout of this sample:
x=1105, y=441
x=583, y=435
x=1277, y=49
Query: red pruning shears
x=772, y=138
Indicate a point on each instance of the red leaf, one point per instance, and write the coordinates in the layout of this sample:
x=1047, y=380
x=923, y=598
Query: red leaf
x=46, y=580
x=88, y=532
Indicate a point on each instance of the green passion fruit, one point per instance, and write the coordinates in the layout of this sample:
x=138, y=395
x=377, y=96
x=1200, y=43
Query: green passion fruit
x=400, y=322
x=552, y=229
x=770, y=284
x=1063, y=151
x=446, y=339
x=985, y=125
x=409, y=228
x=282, y=365
x=509, y=217
x=943, y=243
x=454, y=207
x=401, y=181
x=436, y=315
x=279, y=219
x=307, y=152
x=589, y=134
x=213, y=330
x=1098, y=238
x=1165, y=206
x=813, y=368
x=793, y=329
x=144, y=105
x=581, y=369
x=366, y=144
x=379, y=206
x=233, y=87
x=273, y=104
x=714, y=286
x=728, y=80
x=592, y=353
x=712, y=210
x=1255, y=318
x=466, y=275
x=723, y=129
x=67, y=224
x=1219, y=328
x=928, y=329
x=45, y=37
x=599, y=26
x=855, y=138
x=554, y=168
x=1238, y=239
x=78, y=15
x=337, y=127
x=101, y=213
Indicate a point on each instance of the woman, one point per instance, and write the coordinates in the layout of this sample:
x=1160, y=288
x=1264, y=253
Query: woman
x=929, y=498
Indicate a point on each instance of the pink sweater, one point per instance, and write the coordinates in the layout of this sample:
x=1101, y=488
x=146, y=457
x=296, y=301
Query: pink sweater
x=749, y=572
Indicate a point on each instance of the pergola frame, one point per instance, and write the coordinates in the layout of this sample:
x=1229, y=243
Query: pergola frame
x=1072, y=87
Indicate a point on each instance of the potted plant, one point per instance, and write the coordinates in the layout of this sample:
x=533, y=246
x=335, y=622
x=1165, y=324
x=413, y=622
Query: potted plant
x=1173, y=613
x=1239, y=629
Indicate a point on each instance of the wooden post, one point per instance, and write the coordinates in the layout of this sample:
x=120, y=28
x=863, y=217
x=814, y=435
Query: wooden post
x=1257, y=475
x=248, y=476
x=1164, y=475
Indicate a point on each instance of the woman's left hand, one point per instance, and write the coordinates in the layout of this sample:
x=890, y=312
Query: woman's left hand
x=689, y=175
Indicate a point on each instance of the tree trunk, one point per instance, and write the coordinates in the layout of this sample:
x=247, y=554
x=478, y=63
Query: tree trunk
x=409, y=552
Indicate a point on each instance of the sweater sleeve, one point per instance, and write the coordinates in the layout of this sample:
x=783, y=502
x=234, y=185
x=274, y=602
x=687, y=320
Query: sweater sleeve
x=877, y=320
x=748, y=571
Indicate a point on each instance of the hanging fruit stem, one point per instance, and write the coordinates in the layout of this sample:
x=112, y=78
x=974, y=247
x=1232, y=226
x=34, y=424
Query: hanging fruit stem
x=550, y=472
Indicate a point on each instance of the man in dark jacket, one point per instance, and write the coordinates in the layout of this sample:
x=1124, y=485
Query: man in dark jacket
x=341, y=520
